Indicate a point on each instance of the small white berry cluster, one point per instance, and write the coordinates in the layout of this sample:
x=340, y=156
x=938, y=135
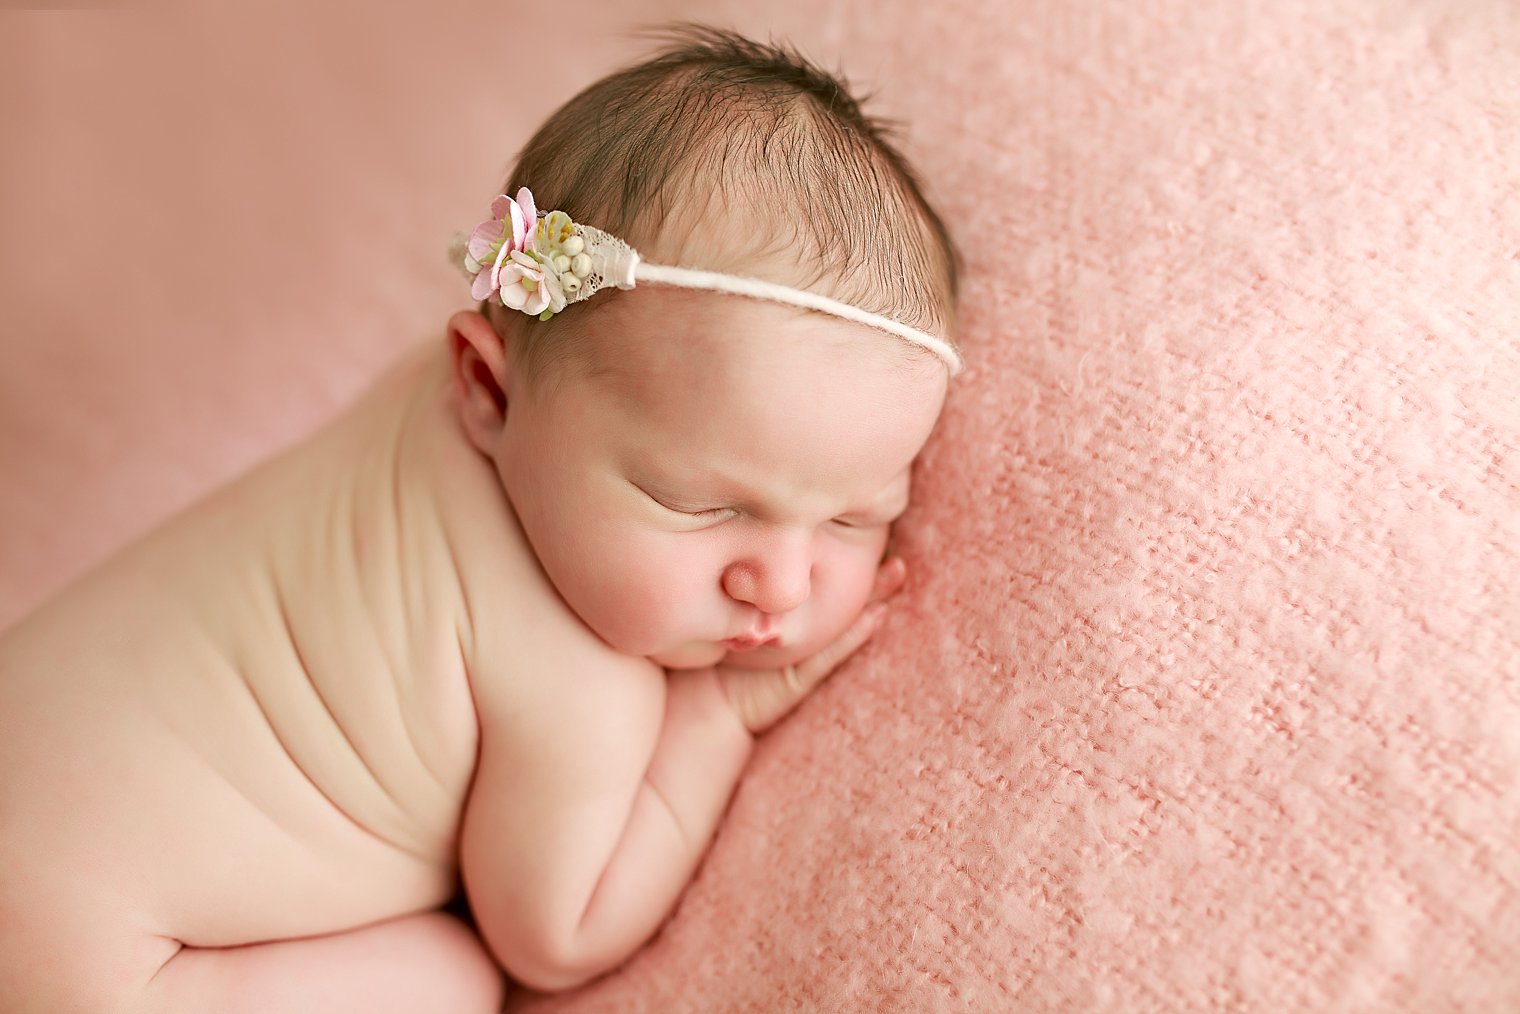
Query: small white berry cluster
x=558, y=246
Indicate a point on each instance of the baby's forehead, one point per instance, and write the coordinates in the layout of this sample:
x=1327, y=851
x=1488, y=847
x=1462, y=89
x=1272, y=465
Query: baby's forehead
x=688, y=364
x=656, y=336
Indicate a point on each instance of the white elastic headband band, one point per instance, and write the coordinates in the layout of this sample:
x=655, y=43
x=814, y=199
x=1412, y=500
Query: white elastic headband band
x=539, y=265
x=755, y=288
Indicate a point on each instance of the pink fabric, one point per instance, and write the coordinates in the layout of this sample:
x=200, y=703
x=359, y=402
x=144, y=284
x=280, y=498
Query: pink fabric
x=1206, y=689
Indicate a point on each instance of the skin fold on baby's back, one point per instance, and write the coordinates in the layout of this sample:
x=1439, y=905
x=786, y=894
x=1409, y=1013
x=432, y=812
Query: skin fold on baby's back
x=255, y=723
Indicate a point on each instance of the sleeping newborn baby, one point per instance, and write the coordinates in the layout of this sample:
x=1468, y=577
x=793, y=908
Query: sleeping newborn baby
x=518, y=615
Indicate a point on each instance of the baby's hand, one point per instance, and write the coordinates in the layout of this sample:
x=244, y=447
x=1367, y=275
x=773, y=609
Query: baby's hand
x=762, y=697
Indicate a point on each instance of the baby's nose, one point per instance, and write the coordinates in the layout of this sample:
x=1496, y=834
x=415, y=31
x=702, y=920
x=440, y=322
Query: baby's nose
x=776, y=581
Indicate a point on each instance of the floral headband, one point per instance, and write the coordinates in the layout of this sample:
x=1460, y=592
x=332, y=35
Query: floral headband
x=539, y=265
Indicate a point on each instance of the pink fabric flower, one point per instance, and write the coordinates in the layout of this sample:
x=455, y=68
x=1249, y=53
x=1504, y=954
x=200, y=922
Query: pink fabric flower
x=527, y=285
x=510, y=229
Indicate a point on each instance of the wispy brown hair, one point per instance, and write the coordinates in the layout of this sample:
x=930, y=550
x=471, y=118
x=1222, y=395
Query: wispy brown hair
x=717, y=127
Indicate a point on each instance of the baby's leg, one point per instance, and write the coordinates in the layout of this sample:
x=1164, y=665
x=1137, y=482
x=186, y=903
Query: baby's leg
x=420, y=963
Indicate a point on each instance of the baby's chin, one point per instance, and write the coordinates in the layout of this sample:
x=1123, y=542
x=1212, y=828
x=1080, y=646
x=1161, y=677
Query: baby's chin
x=702, y=654
x=693, y=655
x=766, y=658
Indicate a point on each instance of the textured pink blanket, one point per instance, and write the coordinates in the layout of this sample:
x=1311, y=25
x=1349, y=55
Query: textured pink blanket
x=1206, y=690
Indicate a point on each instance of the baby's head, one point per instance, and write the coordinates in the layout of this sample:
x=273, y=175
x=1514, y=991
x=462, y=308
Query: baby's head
x=696, y=469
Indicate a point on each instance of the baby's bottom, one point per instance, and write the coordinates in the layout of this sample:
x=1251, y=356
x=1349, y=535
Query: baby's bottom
x=429, y=962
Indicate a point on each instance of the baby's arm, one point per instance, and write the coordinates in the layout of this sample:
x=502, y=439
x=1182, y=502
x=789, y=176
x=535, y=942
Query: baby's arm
x=585, y=822
x=711, y=719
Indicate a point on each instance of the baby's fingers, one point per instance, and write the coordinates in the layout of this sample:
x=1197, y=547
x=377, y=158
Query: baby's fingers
x=890, y=577
x=812, y=670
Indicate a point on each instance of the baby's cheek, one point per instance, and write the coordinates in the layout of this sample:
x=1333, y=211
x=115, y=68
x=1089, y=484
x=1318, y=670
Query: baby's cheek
x=627, y=595
x=644, y=616
x=839, y=598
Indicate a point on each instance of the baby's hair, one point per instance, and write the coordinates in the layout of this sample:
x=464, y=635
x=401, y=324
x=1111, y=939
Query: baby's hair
x=658, y=152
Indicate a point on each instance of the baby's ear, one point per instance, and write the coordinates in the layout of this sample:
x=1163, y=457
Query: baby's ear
x=479, y=362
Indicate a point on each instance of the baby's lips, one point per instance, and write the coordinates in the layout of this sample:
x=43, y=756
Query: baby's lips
x=749, y=643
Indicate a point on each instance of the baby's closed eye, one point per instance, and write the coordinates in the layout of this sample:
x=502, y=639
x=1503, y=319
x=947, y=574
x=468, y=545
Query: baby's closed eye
x=676, y=505
x=706, y=510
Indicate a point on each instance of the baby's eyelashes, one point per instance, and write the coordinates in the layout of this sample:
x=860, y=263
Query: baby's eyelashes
x=872, y=517
x=860, y=522
x=708, y=514
x=865, y=520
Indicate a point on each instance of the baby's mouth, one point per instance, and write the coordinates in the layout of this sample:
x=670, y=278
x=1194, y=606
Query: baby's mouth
x=749, y=642
x=761, y=634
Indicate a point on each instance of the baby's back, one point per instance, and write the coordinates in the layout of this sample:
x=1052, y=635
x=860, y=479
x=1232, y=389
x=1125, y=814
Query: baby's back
x=254, y=723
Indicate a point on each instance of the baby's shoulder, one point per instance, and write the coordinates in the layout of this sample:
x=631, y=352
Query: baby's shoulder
x=526, y=652
x=528, y=655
